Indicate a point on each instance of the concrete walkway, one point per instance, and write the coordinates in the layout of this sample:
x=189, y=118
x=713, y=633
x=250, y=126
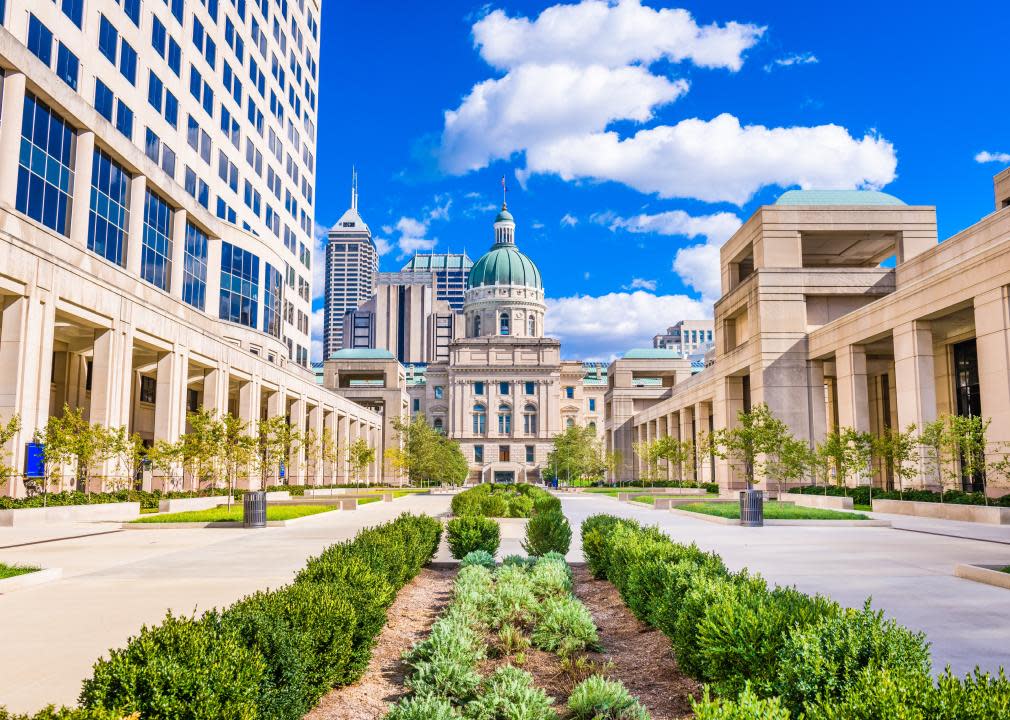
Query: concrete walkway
x=909, y=575
x=114, y=583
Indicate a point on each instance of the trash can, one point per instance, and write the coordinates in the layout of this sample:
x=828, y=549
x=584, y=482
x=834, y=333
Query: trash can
x=752, y=510
x=254, y=509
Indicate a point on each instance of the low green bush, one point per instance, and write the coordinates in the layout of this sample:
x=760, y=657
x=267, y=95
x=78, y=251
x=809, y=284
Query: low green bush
x=52, y=712
x=444, y=663
x=478, y=557
x=748, y=706
x=551, y=577
x=421, y=708
x=495, y=500
x=509, y=694
x=862, y=495
x=546, y=532
x=520, y=560
x=597, y=698
x=565, y=626
x=473, y=532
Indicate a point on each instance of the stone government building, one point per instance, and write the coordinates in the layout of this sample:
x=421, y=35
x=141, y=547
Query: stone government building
x=838, y=309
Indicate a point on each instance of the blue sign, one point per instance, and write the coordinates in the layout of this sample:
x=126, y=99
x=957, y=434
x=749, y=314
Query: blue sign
x=35, y=462
x=281, y=471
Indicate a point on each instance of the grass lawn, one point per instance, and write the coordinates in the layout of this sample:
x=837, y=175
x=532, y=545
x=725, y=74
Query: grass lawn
x=222, y=513
x=773, y=511
x=9, y=571
x=365, y=500
x=603, y=491
x=864, y=508
x=645, y=499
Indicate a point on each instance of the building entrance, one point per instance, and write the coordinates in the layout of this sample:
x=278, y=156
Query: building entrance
x=504, y=476
x=969, y=401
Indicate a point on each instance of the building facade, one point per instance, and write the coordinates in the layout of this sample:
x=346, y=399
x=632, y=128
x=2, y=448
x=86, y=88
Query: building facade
x=686, y=337
x=840, y=309
x=352, y=262
x=449, y=272
x=157, y=180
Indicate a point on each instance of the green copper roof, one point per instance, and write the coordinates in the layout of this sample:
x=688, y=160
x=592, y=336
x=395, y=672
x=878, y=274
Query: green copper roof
x=837, y=197
x=503, y=264
x=362, y=354
x=504, y=216
x=651, y=354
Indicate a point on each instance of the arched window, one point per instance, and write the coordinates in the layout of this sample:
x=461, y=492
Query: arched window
x=479, y=419
x=476, y=325
x=532, y=329
x=504, y=420
x=439, y=425
x=503, y=324
x=570, y=422
x=530, y=420
x=592, y=427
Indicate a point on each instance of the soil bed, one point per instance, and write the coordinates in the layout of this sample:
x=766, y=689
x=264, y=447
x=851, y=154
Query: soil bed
x=411, y=616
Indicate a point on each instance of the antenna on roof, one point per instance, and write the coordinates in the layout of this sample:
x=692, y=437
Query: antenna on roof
x=354, y=188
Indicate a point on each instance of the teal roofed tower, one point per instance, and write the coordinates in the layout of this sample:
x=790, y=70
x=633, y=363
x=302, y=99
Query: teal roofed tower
x=504, y=264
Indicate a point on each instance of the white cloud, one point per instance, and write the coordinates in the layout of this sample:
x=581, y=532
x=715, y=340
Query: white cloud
x=441, y=209
x=569, y=220
x=612, y=34
x=988, y=157
x=316, y=325
x=806, y=58
x=717, y=227
x=719, y=160
x=698, y=266
x=537, y=104
x=641, y=284
x=599, y=327
x=382, y=245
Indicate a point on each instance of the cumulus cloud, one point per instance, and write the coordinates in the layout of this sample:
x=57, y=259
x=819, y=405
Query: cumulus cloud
x=641, y=284
x=720, y=160
x=536, y=104
x=600, y=327
x=806, y=58
x=611, y=34
x=698, y=267
x=316, y=326
x=990, y=157
x=382, y=245
x=569, y=220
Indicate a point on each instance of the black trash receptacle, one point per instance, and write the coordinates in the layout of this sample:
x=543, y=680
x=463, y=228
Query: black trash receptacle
x=254, y=509
x=752, y=511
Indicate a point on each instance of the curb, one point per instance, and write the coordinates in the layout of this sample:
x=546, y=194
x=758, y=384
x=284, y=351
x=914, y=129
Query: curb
x=39, y=577
x=988, y=574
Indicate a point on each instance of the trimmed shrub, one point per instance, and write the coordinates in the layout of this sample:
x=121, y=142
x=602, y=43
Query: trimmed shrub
x=494, y=500
x=546, y=532
x=478, y=557
x=565, y=626
x=821, y=660
x=597, y=698
x=979, y=696
x=551, y=577
x=748, y=706
x=51, y=712
x=422, y=708
x=184, y=669
x=473, y=532
x=444, y=663
x=509, y=694
x=879, y=693
x=520, y=560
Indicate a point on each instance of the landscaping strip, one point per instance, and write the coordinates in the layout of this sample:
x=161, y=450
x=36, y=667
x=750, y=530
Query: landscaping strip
x=9, y=571
x=234, y=514
x=272, y=654
x=773, y=510
x=774, y=652
x=506, y=501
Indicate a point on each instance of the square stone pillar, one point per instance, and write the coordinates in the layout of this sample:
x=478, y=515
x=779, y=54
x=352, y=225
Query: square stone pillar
x=315, y=418
x=816, y=402
x=727, y=404
x=330, y=430
x=135, y=235
x=26, y=352
x=111, y=386
x=84, y=159
x=853, y=400
x=343, y=442
x=914, y=376
x=11, y=112
x=686, y=419
x=297, y=471
x=178, y=252
x=216, y=384
x=170, y=407
x=249, y=404
x=702, y=412
x=992, y=344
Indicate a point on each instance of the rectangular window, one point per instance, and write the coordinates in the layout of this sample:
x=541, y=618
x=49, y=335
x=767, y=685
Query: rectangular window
x=132, y=10
x=530, y=453
x=40, y=40
x=194, y=271
x=155, y=91
x=156, y=250
x=439, y=390
x=148, y=389
x=109, y=218
x=73, y=9
x=592, y=404
x=67, y=66
x=478, y=388
x=178, y=10
x=530, y=388
x=503, y=453
x=503, y=388
x=239, y=300
x=103, y=100
x=417, y=405
x=128, y=61
x=478, y=453
x=45, y=169
x=569, y=392
x=159, y=36
x=108, y=39
x=124, y=119
x=174, y=56
x=197, y=187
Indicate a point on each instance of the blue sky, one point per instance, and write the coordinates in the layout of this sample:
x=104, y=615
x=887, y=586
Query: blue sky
x=635, y=136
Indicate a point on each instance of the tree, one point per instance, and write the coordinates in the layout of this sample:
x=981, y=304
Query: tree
x=329, y=449
x=576, y=456
x=968, y=441
x=426, y=455
x=757, y=433
x=895, y=450
x=830, y=457
x=7, y=433
x=676, y=453
x=858, y=454
x=238, y=451
x=311, y=442
x=934, y=443
x=69, y=439
x=360, y=455
x=791, y=462
x=278, y=440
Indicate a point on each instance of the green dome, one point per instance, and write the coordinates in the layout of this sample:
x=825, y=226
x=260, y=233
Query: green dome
x=503, y=264
x=504, y=216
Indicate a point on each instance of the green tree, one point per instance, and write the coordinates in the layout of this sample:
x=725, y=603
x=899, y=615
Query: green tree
x=278, y=440
x=676, y=453
x=329, y=449
x=935, y=446
x=791, y=462
x=576, y=456
x=311, y=443
x=238, y=451
x=757, y=433
x=968, y=442
x=70, y=440
x=895, y=451
x=7, y=433
x=360, y=455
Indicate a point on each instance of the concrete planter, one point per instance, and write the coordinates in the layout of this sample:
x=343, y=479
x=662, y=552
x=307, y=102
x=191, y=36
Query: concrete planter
x=197, y=503
x=785, y=523
x=828, y=502
x=31, y=579
x=105, y=512
x=278, y=495
x=988, y=574
x=350, y=503
x=945, y=511
x=387, y=497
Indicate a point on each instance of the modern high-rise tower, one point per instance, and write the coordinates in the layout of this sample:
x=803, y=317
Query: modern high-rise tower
x=449, y=271
x=351, y=264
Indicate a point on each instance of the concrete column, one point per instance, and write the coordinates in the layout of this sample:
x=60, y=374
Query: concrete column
x=702, y=412
x=343, y=442
x=727, y=404
x=135, y=237
x=297, y=470
x=330, y=430
x=315, y=472
x=992, y=342
x=686, y=435
x=853, y=401
x=11, y=112
x=914, y=376
x=816, y=402
x=249, y=404
x=352, y=437
x=178, y=252
x=111, y=383
x=84, y=158
x=277, y=404
x=215, y=391
x=26, y=352
x=170, y=402
x=213, y=276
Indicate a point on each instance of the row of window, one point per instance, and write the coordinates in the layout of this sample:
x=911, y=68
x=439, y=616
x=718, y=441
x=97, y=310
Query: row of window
x=479, y=419
x=505, y=325
x=504, y=453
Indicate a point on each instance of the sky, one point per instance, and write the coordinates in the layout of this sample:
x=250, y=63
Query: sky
x=635, y=136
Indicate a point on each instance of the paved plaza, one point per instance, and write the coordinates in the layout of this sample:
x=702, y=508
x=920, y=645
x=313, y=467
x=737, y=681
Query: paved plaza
x=114, y=582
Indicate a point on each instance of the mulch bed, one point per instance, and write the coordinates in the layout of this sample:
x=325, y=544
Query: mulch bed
x=411, y=616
